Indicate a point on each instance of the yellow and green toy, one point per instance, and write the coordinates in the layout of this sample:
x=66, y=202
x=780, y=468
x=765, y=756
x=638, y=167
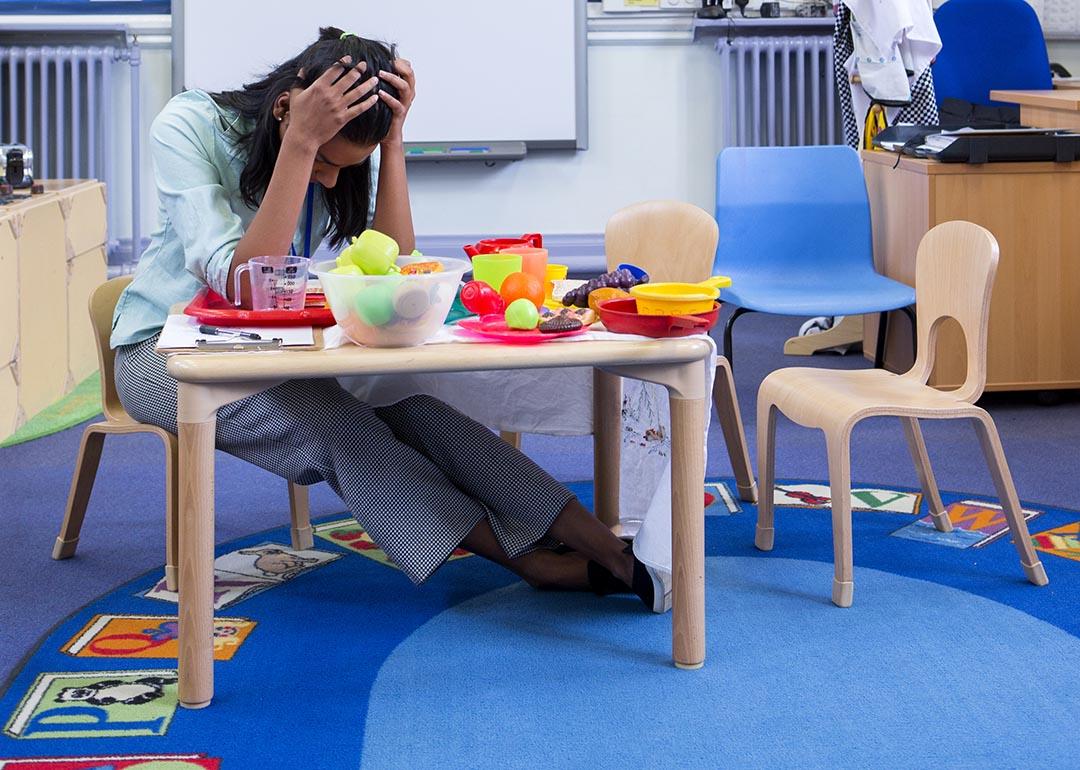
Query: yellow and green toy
x=370, y=253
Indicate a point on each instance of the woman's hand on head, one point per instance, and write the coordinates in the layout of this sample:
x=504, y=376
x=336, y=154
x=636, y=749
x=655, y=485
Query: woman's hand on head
x=317, y=113
x=404, y=80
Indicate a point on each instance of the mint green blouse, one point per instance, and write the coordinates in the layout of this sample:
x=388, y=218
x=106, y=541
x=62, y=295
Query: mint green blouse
x=201, y=214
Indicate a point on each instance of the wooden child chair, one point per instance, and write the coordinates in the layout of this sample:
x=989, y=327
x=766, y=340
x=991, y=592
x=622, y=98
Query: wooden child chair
x=676, y=241
x=954, y=275
x=117, y=420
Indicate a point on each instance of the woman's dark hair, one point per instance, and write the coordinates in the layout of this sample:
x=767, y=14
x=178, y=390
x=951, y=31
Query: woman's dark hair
x=349, y=200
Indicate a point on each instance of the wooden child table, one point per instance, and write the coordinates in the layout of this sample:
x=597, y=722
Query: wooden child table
x=210, y=381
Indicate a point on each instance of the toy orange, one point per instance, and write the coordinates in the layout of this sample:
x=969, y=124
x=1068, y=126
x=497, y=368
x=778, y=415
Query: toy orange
x=522, y=286
x=597, y=296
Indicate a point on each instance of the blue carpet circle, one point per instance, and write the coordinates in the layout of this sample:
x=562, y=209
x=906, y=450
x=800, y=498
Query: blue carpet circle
x=915, y=674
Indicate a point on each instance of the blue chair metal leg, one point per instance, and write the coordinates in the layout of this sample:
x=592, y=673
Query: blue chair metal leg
x=909, y=311
x=727, y=332
x=882, y=331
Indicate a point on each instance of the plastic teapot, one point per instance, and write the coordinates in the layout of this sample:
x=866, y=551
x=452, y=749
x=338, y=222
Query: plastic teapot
x=494, y=245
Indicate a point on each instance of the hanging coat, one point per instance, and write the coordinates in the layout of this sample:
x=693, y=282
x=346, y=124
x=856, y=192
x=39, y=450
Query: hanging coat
x=890, y=44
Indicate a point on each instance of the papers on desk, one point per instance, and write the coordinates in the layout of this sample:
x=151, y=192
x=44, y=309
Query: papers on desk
x=182, y=332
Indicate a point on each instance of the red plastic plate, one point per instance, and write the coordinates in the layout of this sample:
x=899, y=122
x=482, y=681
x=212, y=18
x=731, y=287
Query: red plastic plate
x=500, y=332
x=211, y=308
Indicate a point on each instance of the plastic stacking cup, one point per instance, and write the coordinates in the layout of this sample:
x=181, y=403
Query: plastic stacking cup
x=533, y=260
x=554, y=273
x=492, y=269
x=373, y=252
x=277, y=283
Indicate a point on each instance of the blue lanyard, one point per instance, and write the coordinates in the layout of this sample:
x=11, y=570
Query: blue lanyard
x=310, y=208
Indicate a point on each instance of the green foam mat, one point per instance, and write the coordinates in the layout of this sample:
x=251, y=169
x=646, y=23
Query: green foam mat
x=77, y=406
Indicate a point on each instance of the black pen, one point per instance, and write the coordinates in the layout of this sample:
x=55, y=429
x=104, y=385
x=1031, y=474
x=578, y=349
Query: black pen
x=228, y=332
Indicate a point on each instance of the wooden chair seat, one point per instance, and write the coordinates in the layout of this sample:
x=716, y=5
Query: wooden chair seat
x=824, y=398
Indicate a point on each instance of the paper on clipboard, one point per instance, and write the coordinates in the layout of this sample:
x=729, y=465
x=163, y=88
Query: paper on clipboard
x=181, y=332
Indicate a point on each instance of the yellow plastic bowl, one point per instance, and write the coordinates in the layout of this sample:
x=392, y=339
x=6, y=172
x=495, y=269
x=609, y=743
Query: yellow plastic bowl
x=678, y=298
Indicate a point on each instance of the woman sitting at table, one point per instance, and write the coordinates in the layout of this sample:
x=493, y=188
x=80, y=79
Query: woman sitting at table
x=272, y=168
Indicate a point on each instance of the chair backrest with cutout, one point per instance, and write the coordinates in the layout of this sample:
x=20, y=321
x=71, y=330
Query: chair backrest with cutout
x=670, y=240
x=102, y=304
x=954, y=277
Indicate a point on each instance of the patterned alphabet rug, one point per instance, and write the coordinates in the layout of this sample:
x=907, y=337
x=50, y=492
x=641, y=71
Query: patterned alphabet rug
x=329, y=658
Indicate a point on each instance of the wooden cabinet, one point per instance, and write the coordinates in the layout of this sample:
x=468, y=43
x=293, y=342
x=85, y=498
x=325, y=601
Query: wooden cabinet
x=52, y=256
x=1033, y=209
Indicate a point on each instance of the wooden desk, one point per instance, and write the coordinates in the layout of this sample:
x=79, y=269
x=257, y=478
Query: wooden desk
x=1059, y=108
x=210, y=381
x=1033, y=209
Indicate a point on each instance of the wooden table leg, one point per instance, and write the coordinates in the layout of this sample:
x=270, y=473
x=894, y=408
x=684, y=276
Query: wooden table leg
x=687, y=531
x=196, y=596
x=607, y=445
x=688, y=403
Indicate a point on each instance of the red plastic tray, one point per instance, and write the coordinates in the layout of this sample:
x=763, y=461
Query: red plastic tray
x=211, y=308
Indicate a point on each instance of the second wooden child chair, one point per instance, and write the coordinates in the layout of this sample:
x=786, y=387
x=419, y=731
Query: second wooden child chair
x=954, y=275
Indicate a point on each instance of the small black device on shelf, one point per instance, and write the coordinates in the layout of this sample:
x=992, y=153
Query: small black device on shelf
x=16, y=166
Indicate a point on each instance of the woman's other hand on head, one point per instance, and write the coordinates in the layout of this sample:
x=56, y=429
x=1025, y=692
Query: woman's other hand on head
x=404, y=80
x=317, y=113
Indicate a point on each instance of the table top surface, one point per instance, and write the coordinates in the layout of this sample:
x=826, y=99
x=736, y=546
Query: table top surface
x=937, y=168
x=451, y=357
x=1057, y=99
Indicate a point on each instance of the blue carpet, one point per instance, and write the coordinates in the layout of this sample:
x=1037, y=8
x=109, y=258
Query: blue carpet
x=948, y=658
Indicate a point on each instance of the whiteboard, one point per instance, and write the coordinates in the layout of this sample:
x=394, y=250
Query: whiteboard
x=487, y=70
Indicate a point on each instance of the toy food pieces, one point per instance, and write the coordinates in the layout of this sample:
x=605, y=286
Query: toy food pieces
x=522, y=285
x=558, y=323
x=599, y=295
x=622, y=278
x=374, y=253
x=583, y=315
x=374, y=304
x=522, y=314
x=422, y=268
x=478, y=297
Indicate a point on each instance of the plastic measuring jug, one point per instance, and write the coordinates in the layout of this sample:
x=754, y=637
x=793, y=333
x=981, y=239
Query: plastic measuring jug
x=277, y=283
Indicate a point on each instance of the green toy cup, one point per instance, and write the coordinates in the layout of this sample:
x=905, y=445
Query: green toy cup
x=492, y=269
x=373, y=252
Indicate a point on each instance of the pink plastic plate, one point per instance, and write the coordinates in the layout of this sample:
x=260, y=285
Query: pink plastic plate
x=498, y=331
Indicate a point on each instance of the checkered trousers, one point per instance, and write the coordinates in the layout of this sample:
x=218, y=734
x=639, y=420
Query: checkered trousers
x=417, y=475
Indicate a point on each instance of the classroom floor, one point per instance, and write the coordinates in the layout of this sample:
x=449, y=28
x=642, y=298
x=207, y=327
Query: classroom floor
x=124, y=534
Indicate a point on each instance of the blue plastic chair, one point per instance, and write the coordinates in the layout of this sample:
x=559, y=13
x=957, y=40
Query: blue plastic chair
x=986, y=45
x=795, y=237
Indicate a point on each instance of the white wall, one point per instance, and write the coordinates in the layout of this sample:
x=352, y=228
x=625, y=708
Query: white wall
x=653, y=133
x=1066, y=53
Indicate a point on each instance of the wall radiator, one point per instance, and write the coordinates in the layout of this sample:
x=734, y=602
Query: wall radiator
x=59, y=101
x=779, y=91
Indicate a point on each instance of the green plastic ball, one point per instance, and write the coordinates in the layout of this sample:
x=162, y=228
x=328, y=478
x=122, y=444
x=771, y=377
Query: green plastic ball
x=375, y=304
x=522, y=314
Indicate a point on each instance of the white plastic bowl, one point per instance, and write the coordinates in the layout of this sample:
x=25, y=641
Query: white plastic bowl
x=392, y=311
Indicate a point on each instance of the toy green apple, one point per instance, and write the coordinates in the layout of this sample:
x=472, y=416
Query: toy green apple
x=522, y=314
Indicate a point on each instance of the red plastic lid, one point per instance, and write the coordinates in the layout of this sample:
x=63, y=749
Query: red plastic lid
x=210, y=307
